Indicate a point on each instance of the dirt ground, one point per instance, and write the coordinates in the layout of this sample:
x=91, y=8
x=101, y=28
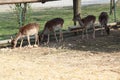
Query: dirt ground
x=73, y=59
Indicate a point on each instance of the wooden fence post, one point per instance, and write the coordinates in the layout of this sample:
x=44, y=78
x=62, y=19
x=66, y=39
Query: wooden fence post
x=76, y=8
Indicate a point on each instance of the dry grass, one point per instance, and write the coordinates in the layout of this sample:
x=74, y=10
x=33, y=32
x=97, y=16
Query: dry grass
x=73, y=59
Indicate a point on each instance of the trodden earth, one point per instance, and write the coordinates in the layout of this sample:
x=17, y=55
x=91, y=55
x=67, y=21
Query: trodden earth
x=73, y=59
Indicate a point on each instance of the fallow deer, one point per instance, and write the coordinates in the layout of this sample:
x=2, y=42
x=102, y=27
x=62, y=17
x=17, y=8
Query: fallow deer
x=86, y=23
x=53, y=25
x=27, y=30
x=103, y=20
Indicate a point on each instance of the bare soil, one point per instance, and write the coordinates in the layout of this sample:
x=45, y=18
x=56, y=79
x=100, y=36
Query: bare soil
x=73, y=59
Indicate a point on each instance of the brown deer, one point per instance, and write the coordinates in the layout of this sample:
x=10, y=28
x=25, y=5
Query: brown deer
x=86, y=23
x=103, y=20
x=27, y=30
x=53, y=25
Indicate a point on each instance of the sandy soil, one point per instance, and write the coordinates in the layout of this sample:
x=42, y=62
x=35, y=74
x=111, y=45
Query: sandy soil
x=73, y=59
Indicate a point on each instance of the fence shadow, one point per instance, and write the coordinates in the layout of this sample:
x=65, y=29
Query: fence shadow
x=102, y=43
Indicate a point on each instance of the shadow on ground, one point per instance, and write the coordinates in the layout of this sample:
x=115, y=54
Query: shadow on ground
x=102, y=43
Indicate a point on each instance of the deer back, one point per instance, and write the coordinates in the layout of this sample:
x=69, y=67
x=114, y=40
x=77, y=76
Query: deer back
x=89, y=19
x=103, y=18
x=29, y=29
x=53, y=23
x=86, y=20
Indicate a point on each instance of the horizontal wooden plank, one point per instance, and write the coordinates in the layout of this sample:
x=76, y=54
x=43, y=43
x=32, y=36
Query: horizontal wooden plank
x=22, y=1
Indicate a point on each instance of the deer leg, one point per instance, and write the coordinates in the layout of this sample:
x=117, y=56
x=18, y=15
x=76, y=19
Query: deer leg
x=83, y=34
x=93, y=32
x=28, y=38
x=36, y=39
x=107, y=29
x=55, y=36
x=93, y=27
x=101, y=29
x=86, y=32
x=61, y=35
x=42, y=37
x=21, y=42
x=48, y=39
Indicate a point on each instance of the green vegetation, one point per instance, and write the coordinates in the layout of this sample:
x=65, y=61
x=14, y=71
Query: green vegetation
x=98, y=8
x=22, y=11
x=9, y=25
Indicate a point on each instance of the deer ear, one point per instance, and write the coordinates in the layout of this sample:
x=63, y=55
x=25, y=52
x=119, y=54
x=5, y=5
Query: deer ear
x=11, y=38
x=79, y=14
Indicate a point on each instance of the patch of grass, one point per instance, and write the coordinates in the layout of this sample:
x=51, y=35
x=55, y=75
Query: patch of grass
x=8, y=21
x=97, y=9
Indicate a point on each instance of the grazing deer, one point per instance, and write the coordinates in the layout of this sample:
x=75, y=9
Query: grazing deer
x=27, y=30
x=86, y=23
x=103, y=20
x=53, y=25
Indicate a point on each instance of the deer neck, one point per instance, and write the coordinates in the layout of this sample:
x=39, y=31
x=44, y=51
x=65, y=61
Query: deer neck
x=46, y=31
x=17, y=36
x=81, y=23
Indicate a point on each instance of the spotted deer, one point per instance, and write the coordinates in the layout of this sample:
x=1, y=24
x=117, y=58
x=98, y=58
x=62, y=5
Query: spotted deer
x=86, y=23
x=27, y=30
x=53, y=25
x=103, y=20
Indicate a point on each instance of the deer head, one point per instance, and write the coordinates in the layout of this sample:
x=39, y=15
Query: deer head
x=13, y=42
x=77, y=17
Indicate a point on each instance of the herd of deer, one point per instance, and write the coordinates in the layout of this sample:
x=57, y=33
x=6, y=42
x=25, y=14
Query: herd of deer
x=57, y=24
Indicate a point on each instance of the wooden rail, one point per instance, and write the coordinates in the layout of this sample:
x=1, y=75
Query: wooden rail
x=22, y=1
x=71, y=30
